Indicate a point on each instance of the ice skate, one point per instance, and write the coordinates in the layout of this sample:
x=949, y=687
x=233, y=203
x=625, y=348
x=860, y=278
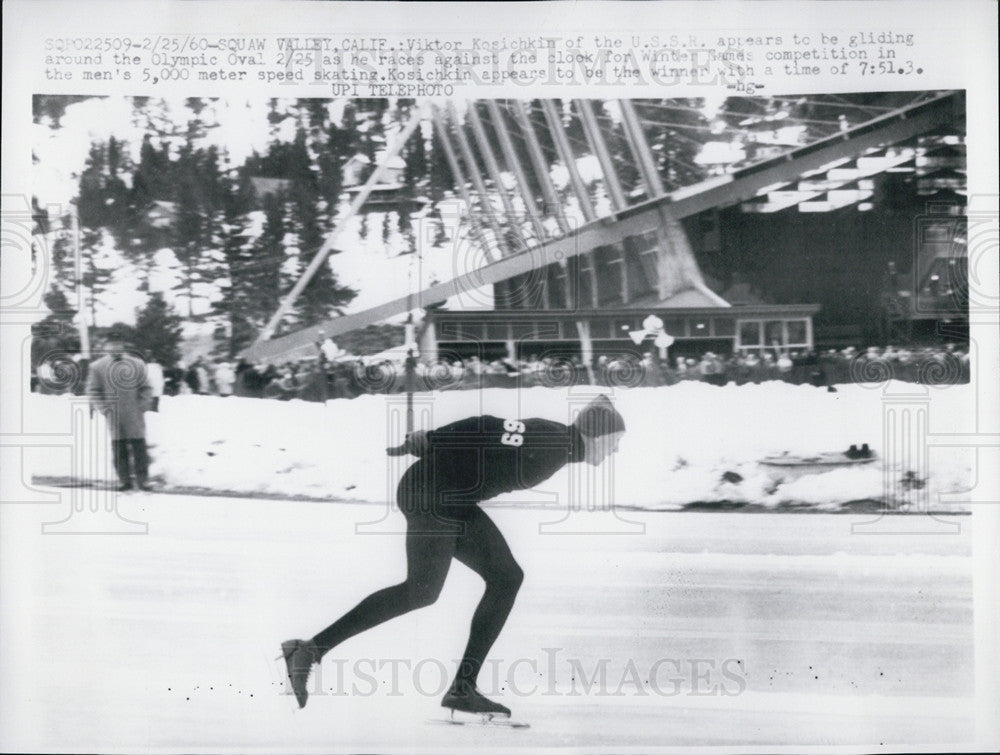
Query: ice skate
x=469, y=707
x=463, y=697
x=300, y=655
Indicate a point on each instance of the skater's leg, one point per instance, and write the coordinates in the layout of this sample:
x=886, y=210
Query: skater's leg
x=428, y=556
x=483, y=549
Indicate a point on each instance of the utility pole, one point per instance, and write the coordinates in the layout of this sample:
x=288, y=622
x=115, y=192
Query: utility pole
x=74, y=229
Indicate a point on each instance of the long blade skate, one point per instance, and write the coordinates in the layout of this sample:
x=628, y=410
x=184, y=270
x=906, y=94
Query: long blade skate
x=468, y=706
x=462, y=718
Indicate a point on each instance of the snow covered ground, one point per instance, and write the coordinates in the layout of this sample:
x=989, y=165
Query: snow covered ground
x=701, y=629
x=680, y=442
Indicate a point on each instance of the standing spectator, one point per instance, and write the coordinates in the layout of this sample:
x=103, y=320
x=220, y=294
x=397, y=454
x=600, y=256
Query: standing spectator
x=173, y=377
x=118, y=386
x=784, y=364
x=240, y=377
x=191, y=384
x=157, y=382
x=225, y=378
x=204, y=380
x=650, y=371
x=44, y=379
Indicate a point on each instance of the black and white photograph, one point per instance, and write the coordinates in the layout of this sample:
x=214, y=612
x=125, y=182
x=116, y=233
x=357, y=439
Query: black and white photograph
x=610, y=422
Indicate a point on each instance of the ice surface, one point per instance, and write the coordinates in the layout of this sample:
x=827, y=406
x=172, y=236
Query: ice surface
x=702, y=629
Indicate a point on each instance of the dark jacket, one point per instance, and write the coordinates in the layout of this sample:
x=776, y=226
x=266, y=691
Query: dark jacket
x=119, y=388
x=481, y=457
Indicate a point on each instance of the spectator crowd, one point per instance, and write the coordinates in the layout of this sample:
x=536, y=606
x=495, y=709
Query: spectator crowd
x=320, y=379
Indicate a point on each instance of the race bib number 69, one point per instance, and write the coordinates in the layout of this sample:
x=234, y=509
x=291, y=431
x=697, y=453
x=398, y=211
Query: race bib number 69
x=514, y=433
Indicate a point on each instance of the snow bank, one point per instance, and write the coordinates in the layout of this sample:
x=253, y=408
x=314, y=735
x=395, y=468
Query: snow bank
x=681, y=440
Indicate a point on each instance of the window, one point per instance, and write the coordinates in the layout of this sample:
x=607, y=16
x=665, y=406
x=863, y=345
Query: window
x=584, y=283
x=496, y=331
x=609, y=275
x=773, y=332
x=557, y=287
x=724, y=327
x=449, y=331
x=798, y=333
x=548, y=330
x=598, y=329
x=523, y=330
x=674, y=327
x=750, y=333
x=756, y=334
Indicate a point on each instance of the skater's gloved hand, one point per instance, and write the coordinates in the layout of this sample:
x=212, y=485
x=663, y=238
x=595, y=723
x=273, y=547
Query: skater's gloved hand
x=415, y=445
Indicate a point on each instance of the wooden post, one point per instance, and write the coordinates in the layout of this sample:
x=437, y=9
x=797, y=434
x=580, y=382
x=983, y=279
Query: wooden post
x=74, y=229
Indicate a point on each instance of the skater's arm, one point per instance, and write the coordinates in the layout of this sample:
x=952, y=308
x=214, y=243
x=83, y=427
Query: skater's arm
x=415, y=445
x=471, y=431
x=485, y=431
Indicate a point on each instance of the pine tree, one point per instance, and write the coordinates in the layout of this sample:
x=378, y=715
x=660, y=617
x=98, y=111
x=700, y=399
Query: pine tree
x=673, y=145
x=415, y=173
x=188, y=232
x=261, y=278
x=158, y=330
x=53, y=106
x=56, y=335
x=62, y=255
x=237, y=300
x=198, y=198
x=93, y=214
x=322, y=295
x=330, y=161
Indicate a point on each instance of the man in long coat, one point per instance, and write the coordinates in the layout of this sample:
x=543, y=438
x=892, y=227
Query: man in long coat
x=119, y=387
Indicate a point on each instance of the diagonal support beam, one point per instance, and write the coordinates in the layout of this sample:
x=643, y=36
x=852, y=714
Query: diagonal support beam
x=524, y=188
x=565, y=152
x=592, y=131
x=459, y=175
x=324, y=251
x=485, y=201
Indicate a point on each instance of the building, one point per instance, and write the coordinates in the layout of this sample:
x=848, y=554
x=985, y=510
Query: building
x=799, y=230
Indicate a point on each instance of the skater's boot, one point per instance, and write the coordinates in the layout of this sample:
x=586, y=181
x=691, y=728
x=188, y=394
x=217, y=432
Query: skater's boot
x=463, y=696
x=300, y=655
